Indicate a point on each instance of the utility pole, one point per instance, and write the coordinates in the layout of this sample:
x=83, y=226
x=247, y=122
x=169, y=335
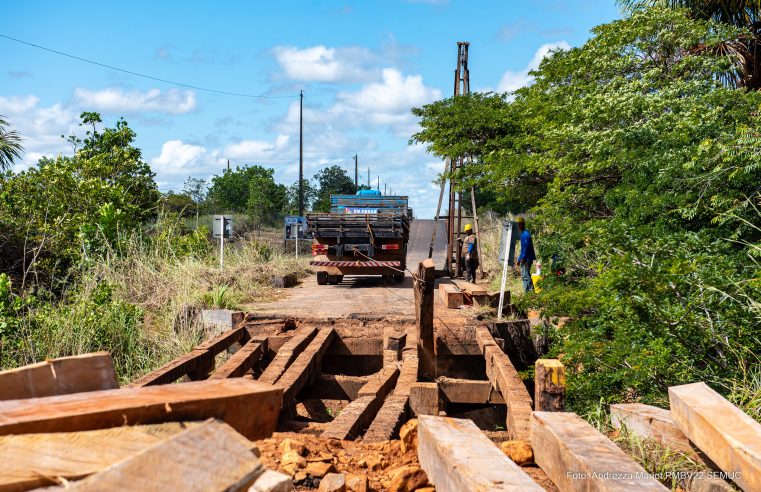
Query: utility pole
x=378, y=183
x=368, y=178
x=356, y=178
x=384, y=187
x=301, y=153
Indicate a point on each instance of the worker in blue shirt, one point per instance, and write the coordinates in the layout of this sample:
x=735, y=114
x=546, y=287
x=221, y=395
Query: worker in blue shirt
x=469, y=253
x=527, y=256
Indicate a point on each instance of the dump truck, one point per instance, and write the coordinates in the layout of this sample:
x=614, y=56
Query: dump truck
x=364, y=234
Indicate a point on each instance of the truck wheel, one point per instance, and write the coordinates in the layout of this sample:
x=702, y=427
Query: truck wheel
x=399, y=278
x=322, y=278
x=335, y=279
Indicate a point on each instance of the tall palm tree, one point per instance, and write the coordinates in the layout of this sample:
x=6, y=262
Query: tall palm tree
x=740, y=13
x=10, y=145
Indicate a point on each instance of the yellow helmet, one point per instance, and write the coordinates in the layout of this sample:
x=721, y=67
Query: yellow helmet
x=520, y=220
x=468, y=227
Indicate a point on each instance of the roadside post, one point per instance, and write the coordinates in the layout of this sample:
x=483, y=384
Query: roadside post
x=293, y=230
x=222, y=228
x=507, y=257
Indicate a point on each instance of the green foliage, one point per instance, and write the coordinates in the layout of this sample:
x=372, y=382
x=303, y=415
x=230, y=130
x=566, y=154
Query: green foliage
x=332, y=180
x=641, y=167
x=178, y=203
x=292, y=197
x=251, y=190
x=221, y=297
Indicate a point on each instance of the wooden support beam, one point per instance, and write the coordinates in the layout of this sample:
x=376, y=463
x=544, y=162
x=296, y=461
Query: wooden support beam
x=470, y=288
x=87, y=372
x=287, y=353
x=504, y=377
x=222, y=317
x=360, y=413
x=458, y=457
x=578, y=458
x=248, y=406
x=451, y=296
x=729, y=437
x=424, y=286
x=41, y=459
x=209, y=457
x=305, y=368
x=650, y=423
x=549, y=385
x=424, y=399
x=469, y=391
x=242, y=360
x=197, y=364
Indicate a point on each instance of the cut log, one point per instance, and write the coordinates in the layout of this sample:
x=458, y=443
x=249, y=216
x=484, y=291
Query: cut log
x=197, y=364
x=305, y=368
x=458, y=457
x=578, y=458
x=504, y=377
x=209, y=457
x=424, y=286
x=248, y=406
x=729, y=437
x=222, y=317
x=241, y=361
x=80, y=373
x=424, y=399
x=469, y=391
x=40, y=459
x=549, y=385
x=287, y=354
x=650, y=423
x=451, y=296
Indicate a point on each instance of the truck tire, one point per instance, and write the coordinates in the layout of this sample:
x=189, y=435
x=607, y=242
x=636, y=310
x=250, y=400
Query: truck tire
x=335, y=279
x=322, y=278
x=399, y=278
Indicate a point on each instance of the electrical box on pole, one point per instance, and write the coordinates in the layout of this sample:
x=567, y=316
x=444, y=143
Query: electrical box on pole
x=222, y=227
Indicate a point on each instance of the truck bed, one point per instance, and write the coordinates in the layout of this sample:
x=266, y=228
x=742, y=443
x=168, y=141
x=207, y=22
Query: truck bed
x=381, y=225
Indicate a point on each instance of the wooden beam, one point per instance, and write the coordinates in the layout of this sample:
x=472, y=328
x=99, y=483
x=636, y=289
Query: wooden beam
x=504, y=377
x=209, y=457
x=650, y=423
x=473, y=290
x=451, y=296
x=41, y=459
x=336, y=387
x=360, y=413
x=578, y=458
x=469, y=391
x=729, y=437
x=248, y=406
x=79, y=373
x=424, y=399
x=305, y=368
x=241, y=361
x=458, y=457
x=197, y=364
x=287, y=353
x=424, y=285
x=549, y=385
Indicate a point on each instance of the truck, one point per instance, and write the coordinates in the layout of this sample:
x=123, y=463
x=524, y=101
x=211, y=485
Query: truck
x=364, y=234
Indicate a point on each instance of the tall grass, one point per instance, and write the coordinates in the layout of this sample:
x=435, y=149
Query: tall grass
x=131, y=302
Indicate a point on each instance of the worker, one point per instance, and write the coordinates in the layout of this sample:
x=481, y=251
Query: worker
x=469, y=253
x=527, y=256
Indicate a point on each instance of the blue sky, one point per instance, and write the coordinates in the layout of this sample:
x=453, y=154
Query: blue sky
x=362, y=66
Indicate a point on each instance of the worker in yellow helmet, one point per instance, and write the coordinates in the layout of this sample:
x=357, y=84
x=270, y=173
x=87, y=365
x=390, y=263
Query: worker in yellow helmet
x=469, y=253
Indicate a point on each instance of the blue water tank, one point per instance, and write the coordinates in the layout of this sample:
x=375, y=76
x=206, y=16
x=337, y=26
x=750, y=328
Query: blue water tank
x=369, y=193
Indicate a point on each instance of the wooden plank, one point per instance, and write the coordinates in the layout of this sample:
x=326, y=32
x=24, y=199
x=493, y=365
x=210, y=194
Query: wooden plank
x=650, y=423
x=286, y=354
x=360, y=413
x=424, y=399
x=222, y=317
x=729, y=437
x=305, y=368
x=458, y=457
x=505, y=378
x=241, y=361
x=470, y=288
x=41, y=459
x=578, y=458
x=423, y=285
x=79, y=373
x=451, y=296
x=469, y=391
x=197, y=364
x=549, y=385
x=248, y=406
x=209, y=457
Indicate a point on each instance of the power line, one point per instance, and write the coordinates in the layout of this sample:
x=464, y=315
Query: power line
x=151, y=77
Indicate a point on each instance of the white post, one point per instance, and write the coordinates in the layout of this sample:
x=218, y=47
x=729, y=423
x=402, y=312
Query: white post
x=508, y=240
x=222, y=251
x=297, y=240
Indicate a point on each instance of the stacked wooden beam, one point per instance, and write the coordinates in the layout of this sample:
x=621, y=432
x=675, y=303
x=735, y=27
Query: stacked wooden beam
x=351, y=225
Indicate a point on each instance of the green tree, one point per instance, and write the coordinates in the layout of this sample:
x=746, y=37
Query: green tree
x=292, y=197
x=10, y=145
x=331, y=180
x=178, y=203
x=196, y=189
x=266, y=198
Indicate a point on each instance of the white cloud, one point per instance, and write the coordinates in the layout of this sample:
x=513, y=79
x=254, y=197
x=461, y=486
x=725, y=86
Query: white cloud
x=178, y=157
x=173, y=101
x=512, y=81
x=255, y=150
x=322, y=64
